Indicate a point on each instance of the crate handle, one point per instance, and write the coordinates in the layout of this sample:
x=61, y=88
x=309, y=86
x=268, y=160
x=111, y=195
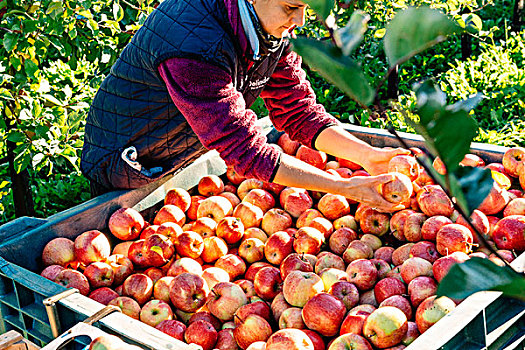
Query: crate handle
x=51, y=310
x=101, y=314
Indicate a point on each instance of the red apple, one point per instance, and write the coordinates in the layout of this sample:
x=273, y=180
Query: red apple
x=388, y=287
x=357, y=250
x=268, y=282
x=399, y=302
x=295, y=201
x=313, y=157
x=511, y=159
x=293, y=262
x=201, y=333
x=509, y=233
x=415, y=267
x=308, y=240
x=299, y=287
x=340, y=239
x=51, y=272
x=127, y=305
x=333, y=206
x=385, y=327
x=288, y=145
x=126, y=224
x=233, y=264
x=431, y=310
x=404, y=164
x=91, y=246
x=362, y=273
x=496, y=201
x=515, y=207
x=289, y=339
x=184, y=265
x=173, y=328
x=70, y=278
x=292, y=318
x=397, y=223
x=402, y=253
x=224, y=299
x=433, y=200
x=421, y=288
x=384, y=253
x=99, y=274
x=231, y=229
x=374, y=222
x=59, y=251
x=413, y=225
x=249, y=214
x=103, y=295
x=154, y=312
x=278, y=246
x=425, y=250
x=204, y=226
x=188, y=292
x=139, y=287
x=398, y=190
x=170, y=213
x=251, y=250
x=324, y=313
x=275, y=220
x=454, y=238
x=260, y=198
x=213, y=275
x=210, y=185
x=215, y=207
x=190, y=244
x=432, y=225
x=442, y=265
x=350, y=341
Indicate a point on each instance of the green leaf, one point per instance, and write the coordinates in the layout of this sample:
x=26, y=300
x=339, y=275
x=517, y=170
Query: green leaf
x=470, y=186
x=350, y=36
x=477, y=274
x=342, y=71
x=10, y=41
x=31, y=68
x=470, y=22
x=55, y=9
x=16, y=136
x=321, y=7
x=22, y=160
x=118, y=12
x=414, y=30
x=448, y=130
x=52, y=99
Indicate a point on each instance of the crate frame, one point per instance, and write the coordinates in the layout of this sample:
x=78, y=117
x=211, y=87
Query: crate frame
x=484, y=320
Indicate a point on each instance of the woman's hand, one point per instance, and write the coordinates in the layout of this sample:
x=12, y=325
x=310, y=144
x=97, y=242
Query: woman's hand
x=367, y=190
x=377, y=160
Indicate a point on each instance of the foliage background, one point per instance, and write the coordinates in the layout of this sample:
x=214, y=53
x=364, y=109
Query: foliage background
x=55, y=54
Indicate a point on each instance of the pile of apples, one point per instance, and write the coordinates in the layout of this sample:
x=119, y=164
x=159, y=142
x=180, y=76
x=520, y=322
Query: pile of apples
x=244, y=264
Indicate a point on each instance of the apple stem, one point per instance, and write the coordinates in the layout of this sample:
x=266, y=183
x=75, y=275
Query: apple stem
x=460, y=210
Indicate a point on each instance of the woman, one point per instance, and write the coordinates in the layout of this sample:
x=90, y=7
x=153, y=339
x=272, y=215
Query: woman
x=184, y=85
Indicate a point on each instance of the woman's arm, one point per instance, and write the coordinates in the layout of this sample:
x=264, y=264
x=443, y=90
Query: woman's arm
x=340, y=143
x=365, y=189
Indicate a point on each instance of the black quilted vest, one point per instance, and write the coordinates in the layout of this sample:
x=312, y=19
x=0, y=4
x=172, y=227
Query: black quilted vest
x=133, y=107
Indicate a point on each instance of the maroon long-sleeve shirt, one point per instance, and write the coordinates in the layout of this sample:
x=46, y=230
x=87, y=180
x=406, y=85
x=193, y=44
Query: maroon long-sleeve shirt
x=217, y=112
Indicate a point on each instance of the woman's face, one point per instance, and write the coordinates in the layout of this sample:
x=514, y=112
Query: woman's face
x=280, y=16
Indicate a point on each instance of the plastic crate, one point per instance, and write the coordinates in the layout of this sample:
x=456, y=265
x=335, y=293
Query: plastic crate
x=482, y=320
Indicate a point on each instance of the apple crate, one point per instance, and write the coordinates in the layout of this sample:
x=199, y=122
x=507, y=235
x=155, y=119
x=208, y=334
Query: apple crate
x=484, y=320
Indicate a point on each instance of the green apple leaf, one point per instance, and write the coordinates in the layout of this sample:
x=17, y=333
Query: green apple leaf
x=470, y=186
x=340, y=70
x=448, y=130
x=470, y=21
x=321, y=7
x=351, y=35
x=414, y=30
x=477, y=274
